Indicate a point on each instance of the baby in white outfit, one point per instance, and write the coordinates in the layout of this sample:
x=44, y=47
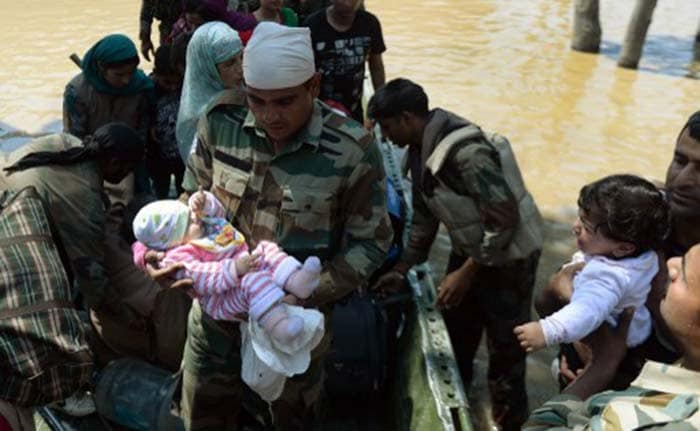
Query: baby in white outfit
x=622, y=219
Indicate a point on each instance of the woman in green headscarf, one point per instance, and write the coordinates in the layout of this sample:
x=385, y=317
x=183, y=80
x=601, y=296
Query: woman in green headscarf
x=110, y=88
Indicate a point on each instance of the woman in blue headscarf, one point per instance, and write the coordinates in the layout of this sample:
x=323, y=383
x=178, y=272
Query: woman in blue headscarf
x=110, y=88
x=214, y=60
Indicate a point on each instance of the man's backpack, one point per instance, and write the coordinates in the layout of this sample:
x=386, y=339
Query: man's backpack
x=44, y=355
x=356, y=363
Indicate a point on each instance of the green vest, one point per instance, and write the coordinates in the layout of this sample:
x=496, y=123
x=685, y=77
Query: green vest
x=459, y=213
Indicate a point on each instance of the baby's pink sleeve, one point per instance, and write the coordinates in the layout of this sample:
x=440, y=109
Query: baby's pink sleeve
x=210, y=278
x=139, y=253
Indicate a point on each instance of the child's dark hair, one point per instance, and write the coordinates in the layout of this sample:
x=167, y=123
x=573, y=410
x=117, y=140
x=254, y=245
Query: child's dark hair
x=397, y=96
x=163, y=64
x=627, y=208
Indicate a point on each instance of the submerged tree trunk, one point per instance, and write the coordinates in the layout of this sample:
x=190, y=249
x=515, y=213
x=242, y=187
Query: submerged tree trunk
x=636, y=33
x=696, y=45
x=587, y=32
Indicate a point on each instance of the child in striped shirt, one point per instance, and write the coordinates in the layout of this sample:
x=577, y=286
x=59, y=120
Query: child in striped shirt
x=228, y=280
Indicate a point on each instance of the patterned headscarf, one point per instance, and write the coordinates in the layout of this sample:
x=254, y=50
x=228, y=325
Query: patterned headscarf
x=212, y=43
x=162, y=224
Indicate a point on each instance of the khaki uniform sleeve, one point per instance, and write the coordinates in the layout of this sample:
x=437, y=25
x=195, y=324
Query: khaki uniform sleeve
x=146, y=15
x=366, y=234
x=80, y=219
x=479, y=175
x=198, y=170
x=555, y=414
x=424, y=227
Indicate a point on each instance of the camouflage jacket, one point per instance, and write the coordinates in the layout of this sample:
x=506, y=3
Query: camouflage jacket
x=474, y=188
x=77, y=206
x=323, y=195
x=662, y=397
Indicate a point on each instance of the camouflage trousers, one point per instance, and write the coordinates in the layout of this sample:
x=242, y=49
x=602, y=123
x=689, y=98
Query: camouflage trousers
x=499, y=299
x=213, y=392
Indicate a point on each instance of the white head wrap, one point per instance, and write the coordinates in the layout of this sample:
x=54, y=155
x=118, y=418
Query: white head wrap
x=278, y=57
x=162, y=224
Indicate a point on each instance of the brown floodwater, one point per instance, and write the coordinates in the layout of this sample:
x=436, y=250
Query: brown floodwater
x=504, y=64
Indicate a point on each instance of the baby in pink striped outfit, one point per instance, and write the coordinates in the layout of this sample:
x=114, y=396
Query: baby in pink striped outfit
x=228, y=280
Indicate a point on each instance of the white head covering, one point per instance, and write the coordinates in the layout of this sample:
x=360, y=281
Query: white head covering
x=278, y=57
x=161, y=224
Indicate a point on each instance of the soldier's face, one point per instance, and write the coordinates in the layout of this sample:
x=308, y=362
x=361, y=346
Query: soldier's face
x=683, y=178
x=680, y=307
x=282, y=113
x=396, y=130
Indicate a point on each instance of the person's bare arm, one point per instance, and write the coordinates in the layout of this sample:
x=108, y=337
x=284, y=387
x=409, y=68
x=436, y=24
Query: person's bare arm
x=165, y=276
x=376, y=70
x=608, y=347
x=558, y=291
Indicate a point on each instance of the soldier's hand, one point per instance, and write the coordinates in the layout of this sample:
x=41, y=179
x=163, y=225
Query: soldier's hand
x=153, y=257
x=147, y=48
x=561, y=284
x=566, y=373
x=453, y=288
x=166, y=276
x=608, y=346
x=604, y=346
x=390, y=283
x=558, y=290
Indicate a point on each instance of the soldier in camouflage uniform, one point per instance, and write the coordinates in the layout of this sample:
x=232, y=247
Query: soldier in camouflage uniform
x=69, y=175
x=167, y=12
x=663, y=396
x=469, y=181
x=292, y=171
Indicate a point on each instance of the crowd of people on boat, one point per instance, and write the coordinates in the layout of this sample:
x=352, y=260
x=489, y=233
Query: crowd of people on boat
x=214, y=212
